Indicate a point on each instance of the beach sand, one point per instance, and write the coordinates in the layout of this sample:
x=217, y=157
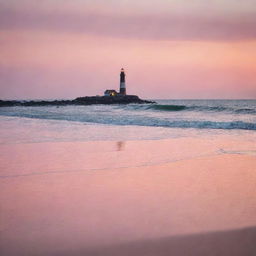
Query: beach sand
x=181, y=196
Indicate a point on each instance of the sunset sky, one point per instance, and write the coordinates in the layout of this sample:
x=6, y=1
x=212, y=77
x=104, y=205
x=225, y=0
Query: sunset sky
x=169, y=48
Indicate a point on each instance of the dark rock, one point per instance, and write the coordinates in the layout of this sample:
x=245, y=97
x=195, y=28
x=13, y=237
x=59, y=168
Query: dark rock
x=120, y=99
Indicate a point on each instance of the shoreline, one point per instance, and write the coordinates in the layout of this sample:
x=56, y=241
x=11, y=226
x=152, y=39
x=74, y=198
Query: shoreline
x=125, y=197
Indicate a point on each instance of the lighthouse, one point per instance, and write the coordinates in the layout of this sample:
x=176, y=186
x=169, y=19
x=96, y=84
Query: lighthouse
x=122, y=83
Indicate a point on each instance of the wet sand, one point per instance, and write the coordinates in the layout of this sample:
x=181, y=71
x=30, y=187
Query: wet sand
x=232, y=242
x=184, y=196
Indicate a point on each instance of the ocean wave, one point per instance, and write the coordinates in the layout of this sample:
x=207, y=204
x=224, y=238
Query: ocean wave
x=138, y=121
x=246, y=111
x=235, y=125
x=188, y=108
x=223, y=109
x=197, y=114
x=167, y=107
x=173, y=108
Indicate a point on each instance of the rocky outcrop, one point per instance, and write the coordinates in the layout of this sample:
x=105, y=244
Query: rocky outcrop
x=121, y=99
x=12, y=103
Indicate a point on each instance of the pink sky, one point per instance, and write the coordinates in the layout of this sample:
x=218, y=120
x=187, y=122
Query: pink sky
x=169, y=49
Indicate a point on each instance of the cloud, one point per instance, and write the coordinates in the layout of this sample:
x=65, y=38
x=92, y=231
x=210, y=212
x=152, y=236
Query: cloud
x=147, y=26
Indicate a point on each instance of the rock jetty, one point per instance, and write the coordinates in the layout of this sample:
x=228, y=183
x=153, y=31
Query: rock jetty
x=120, y=99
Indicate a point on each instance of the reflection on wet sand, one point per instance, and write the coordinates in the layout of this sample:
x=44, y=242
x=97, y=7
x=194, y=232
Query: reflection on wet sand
x=120, y=145
x=159, y=209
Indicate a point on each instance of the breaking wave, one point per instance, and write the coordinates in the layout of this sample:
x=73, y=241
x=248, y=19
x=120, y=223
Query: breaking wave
x=205, y=114
x=109, y=119
x=168, y=107
x=159, y=107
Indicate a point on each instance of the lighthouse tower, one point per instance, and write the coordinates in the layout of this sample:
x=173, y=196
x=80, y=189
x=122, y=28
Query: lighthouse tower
x=122, y=83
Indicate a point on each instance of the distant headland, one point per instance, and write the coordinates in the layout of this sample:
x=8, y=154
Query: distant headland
x=110, y=97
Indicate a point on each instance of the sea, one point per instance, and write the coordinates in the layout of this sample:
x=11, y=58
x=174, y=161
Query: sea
x=162, y=120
